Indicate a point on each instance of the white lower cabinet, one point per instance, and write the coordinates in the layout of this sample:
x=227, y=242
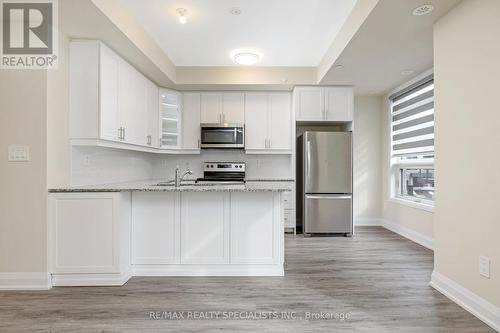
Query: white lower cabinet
x=89, y=238
x=255, y=228
x=105, y=238
x=155, y=228
x=205, y=228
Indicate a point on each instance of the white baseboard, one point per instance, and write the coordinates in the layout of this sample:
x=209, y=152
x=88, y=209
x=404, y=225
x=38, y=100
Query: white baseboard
x=208, y=270
x=412, y=235
x=75, y=280
x=478, y=306
x=25, y=281
x=368, y=221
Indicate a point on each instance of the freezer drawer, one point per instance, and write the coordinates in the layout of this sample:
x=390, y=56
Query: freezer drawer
x=327, y=213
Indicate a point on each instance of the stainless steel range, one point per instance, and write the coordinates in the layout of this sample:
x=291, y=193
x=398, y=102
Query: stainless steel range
x=223, y=172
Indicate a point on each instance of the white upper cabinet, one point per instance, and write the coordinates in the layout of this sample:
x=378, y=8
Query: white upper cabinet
x=339, y=103
x=191, y=121
x=211, y=108
x=152, y=112
x=233, y=108
x=256, y=115
x=109, y=99
x=280, y=121
x=219, y=108
x=308, y=103
x=324, y=104
x=132, y=92
x=108, y=77
x=268, y=122
x=170, y=118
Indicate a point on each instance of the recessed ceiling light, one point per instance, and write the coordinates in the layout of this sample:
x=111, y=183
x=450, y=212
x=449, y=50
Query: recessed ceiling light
x=182, y=12
x=423, y=10
x=235, y=11
x=246, y=57
x=407, y=72
x=339, y=67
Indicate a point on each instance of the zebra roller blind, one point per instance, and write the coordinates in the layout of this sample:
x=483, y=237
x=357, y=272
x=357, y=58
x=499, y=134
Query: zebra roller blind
x=412, y=124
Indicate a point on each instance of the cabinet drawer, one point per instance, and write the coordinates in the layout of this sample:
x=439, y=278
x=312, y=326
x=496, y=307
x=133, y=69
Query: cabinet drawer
x=289, y=218
x=287, y=200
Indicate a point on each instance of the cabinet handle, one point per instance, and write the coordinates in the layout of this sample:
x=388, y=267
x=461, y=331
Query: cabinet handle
x=123, y=132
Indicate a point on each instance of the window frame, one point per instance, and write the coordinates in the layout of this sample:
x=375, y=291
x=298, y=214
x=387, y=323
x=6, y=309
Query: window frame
x=397, y=163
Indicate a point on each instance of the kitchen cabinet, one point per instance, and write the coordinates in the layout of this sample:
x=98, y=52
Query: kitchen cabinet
x=109, y=99
x=104, y=238
x=219, y=108
x=233, y=108
x=152, y=113
x=211, y=108
x=256, y=115
x=155, y=228
x=89, y=238
x=191, y=121
x=289, y=211
x=255, y=228
x=339, y=103
x=131, y=104
x=324, y=104
x=108, y=77
x=205, y=228
x=170, y=118
x=268, y=122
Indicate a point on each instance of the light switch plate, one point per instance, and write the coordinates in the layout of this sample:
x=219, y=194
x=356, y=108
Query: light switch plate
x=19, y=153
x=484, y=266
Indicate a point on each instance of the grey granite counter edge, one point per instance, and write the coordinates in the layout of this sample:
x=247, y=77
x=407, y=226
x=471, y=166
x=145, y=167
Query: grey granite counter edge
x=190, y=189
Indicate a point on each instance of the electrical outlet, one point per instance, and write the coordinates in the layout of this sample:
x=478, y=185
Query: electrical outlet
x=86, y=160
x=484, y=266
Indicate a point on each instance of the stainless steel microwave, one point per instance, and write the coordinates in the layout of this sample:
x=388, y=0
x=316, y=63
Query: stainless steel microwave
x=226, y=136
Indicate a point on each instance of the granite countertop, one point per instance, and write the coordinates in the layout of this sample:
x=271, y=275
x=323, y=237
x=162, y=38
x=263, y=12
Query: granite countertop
x=260, y=185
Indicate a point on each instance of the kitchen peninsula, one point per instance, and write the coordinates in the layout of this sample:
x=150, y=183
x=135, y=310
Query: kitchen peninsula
x=103, y=235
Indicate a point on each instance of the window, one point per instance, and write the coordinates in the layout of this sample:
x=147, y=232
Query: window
x=412, y=142
x=416, y=184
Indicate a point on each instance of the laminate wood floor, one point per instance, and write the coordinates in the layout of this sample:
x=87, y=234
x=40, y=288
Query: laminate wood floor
x=378, y=279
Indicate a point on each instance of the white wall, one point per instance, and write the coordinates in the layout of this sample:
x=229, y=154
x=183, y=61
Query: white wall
x=367, y=161
x=467, y=214
x=58, y=147
x=97, y=165
x=23, y=195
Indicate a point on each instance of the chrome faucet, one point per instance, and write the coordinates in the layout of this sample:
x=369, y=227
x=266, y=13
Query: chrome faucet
x=179, y=178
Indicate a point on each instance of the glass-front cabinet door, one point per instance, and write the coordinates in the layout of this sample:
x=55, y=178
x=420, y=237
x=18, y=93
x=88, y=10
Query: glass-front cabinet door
x=170, y=119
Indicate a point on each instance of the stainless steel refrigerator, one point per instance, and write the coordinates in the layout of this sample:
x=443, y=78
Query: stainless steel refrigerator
x=325, y=182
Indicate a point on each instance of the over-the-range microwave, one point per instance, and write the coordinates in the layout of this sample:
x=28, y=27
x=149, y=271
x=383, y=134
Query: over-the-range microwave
x=222, y=136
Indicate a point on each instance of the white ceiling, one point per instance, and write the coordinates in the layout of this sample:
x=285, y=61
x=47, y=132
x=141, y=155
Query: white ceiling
x=390, y=41
x=286, y=32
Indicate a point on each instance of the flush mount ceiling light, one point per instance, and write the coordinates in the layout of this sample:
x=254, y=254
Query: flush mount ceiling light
x=182, y=12
x=423, y=10
x=339, y=67
x=246, y=57
x=235, y=11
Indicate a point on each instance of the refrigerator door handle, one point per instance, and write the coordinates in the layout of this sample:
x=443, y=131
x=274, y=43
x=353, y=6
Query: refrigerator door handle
x=328, y=196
